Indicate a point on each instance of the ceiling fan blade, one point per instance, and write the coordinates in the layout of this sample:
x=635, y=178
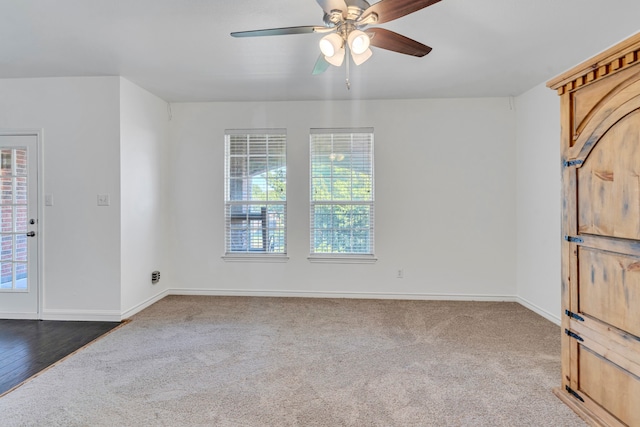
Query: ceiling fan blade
x=321, y=65
x=279, y=31
x=390, y=40
x=388, y=10
x=329, y=5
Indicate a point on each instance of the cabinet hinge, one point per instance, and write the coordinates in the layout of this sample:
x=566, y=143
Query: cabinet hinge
x=573, y=393
x=568, y=163
x=574, y=315
x=573, y=335
x=572, y=239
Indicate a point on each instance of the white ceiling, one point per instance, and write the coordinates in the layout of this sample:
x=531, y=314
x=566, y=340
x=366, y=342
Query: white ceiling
x=181, y=50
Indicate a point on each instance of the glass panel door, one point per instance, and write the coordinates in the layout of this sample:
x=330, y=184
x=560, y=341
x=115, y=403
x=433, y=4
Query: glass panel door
x=18, y=226
x=13, y=219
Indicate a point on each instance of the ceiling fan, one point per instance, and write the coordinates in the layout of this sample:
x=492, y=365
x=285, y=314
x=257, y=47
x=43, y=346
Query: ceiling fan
x=344, y=21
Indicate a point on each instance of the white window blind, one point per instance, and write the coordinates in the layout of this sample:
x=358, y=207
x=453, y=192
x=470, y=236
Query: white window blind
x=342, y=193
x=255, y=191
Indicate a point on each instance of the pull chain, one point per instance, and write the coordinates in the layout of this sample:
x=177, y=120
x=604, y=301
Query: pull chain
x=348, y=59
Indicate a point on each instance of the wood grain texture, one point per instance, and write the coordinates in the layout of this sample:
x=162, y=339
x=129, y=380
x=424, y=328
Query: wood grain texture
x=568, y=228
x=600, y=119
x=588, y=101
x=580, y=409
x=574, y=297
x=609, y=183
x=395, y=42
x=611, y=386
x=29, y=346
x=629, y=247
x=605, y=63
x=610, y=288
x=609, y=112
x=620, y=347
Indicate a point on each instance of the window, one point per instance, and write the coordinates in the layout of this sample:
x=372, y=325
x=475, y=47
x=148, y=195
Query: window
x=255, y=191
x=342, y=196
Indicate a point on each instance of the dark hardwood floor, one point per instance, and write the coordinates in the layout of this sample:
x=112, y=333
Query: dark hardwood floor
x=29, y=346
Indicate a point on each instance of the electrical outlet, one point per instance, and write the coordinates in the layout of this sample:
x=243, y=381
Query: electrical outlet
x=103, y=200
x=48, y=199
x=400, y=274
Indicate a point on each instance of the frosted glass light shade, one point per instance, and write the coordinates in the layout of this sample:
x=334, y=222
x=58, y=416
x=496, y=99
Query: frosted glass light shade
x=358, y=42
x=337, y=58
x=331, y=44
x=359, y=59
x=332, y=47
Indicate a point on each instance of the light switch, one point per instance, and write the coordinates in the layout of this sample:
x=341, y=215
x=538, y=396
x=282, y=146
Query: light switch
x=48, y=199
x=103, y=200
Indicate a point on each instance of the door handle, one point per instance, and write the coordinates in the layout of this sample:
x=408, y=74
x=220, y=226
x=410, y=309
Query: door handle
x=31, y=233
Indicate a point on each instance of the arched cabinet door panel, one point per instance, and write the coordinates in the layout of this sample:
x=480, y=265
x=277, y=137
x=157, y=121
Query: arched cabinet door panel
x=608, y=182
x=600, y=147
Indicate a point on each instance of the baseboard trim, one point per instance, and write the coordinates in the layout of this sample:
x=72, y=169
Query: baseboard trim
x=148, y=302
x=114, y=316
x=19, y=316
x=544, y=313
x=334, y=294
x=82, y=315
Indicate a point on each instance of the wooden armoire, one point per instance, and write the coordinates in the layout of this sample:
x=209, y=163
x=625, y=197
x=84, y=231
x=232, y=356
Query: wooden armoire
x=600, y=150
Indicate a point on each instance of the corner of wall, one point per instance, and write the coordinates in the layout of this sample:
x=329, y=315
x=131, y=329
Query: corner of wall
x=143, y=161
x=538, y=201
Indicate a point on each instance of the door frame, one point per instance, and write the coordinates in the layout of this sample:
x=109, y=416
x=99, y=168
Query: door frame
x=38, y=133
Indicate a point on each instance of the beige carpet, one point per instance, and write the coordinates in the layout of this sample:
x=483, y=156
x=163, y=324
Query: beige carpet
x=242, y=361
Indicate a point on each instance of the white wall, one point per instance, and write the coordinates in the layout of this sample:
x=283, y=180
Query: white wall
x=445, y=199
x=445, y=195
x=538, y=201
x=80, y=122
x=144, y=168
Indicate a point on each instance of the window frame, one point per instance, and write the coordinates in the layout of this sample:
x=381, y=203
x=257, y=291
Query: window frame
x=258, y=255
x=342, y=257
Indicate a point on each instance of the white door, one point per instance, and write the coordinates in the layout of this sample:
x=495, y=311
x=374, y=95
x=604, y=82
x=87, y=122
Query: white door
x=19, y=290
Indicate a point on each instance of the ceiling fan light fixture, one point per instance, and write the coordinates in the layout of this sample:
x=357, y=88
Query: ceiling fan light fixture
x=361, y=58
x=344, y=21
x=359, y=42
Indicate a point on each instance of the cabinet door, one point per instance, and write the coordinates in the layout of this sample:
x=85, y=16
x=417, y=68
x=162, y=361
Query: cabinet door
x=603, y=186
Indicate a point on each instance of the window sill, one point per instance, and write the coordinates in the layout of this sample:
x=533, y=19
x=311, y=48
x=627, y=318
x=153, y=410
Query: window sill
x=255, y=258
x=343, y=259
